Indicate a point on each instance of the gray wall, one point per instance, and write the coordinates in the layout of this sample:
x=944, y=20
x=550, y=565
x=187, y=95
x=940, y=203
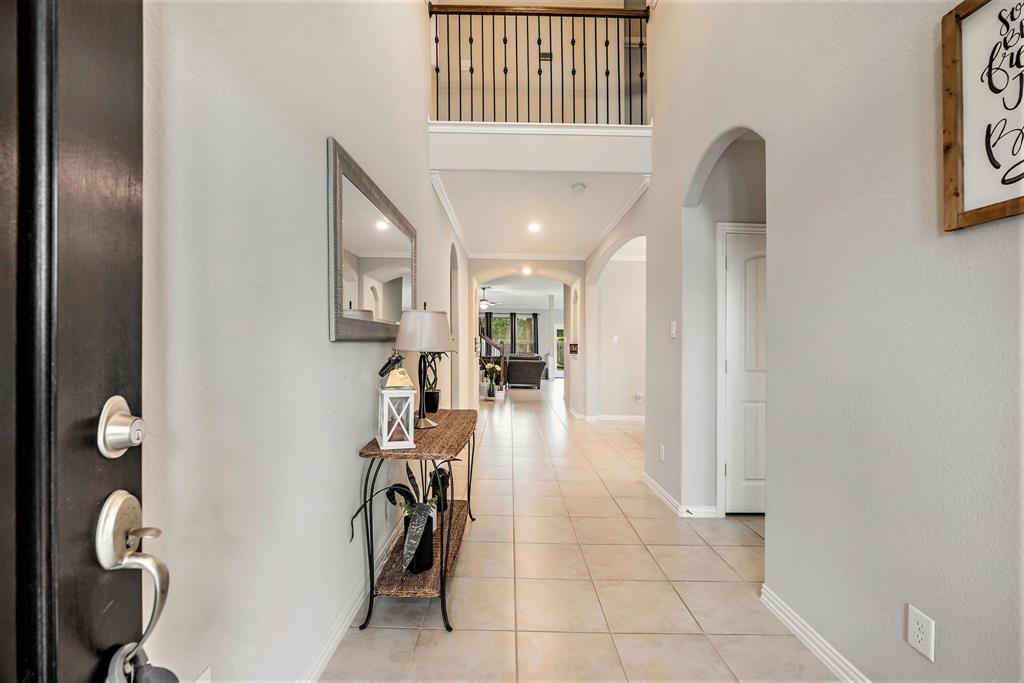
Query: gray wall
x=254, y=417
x=895, y=381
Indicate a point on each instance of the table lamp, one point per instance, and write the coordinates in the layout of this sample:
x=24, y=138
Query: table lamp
x=424, y=332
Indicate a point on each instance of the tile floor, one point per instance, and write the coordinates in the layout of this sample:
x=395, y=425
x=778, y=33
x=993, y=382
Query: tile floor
x=574, y=570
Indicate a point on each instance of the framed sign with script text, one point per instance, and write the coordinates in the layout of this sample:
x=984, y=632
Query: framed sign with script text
x=983, y=112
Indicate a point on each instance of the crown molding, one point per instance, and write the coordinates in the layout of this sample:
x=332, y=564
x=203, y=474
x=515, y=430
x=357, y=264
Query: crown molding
x=632, y=199
x=449, y=210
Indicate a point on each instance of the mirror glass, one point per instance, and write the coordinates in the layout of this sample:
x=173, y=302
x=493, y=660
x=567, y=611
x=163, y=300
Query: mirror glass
x=376, y=260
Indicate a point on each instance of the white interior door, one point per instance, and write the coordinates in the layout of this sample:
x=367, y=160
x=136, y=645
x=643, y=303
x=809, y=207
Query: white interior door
x=745, y=372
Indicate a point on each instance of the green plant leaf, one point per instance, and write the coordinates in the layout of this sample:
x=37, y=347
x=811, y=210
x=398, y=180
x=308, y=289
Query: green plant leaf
x=413, y=536
x=412, y=479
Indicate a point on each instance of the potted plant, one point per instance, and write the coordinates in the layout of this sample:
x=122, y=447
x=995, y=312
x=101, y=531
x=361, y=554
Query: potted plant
x=418, y=508
x=491, y=373
x=431, y=394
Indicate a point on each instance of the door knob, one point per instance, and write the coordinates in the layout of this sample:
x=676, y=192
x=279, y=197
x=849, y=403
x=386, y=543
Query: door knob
x=118, y=429
x=118, y=534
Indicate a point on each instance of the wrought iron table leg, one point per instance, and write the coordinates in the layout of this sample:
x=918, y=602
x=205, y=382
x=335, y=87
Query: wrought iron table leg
x=368, y=485
x=469, y=483
x=445, y=536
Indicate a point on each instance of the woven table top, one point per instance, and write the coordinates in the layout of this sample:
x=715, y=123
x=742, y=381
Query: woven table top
x=446, y=440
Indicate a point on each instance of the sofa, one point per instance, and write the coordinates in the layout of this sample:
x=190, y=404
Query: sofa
x=526, y=370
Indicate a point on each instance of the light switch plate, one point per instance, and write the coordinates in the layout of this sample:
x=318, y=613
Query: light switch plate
x=921, y=632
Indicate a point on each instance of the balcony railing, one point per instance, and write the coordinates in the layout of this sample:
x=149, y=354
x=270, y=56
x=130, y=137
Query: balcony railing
x=539, y=64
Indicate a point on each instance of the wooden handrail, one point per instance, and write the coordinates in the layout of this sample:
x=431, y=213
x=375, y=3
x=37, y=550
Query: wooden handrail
x=610, y=12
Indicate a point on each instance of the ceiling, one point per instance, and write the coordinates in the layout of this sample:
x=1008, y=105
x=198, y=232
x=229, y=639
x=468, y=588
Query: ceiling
x=523, y=293
x=493, y=208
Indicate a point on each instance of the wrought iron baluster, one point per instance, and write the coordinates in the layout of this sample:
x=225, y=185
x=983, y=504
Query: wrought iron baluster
x=618, y=66
x=584, y=27
x=517, y=69
x=597, y=79
x=504, y=49
x=643, y=94
x=551, y=75
x=629, y=54
x=607, y=73
x=437, y=73
x=494, y=81
x=460, y=68
x=448, y=60
x=527, y=20
x=573, y=44
x=472, y=96
x=561, y=66
x=540, y=77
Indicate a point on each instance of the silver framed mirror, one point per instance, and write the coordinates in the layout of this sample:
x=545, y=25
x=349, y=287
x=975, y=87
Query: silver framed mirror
x=372, y=249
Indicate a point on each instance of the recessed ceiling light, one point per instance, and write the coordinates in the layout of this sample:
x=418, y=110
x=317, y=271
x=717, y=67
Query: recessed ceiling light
x=382, y=225
x=527, y=270
x=578, y=187
x=533, y=227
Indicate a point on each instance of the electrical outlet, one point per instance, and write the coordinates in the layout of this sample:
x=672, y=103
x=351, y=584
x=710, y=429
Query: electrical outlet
x=661, y=452
x=639, y=397
x=921, y=632
x=672, y=330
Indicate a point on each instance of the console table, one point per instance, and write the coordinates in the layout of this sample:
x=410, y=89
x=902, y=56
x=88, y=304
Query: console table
x=440, y=446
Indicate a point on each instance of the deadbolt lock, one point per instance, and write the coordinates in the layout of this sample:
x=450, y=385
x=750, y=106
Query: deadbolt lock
x=118, y=429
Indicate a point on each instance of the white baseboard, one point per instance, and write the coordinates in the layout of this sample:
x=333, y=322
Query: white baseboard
x=575, y=413
x=699, y=511
x=822, y=649
x=615, y=418
x=663, y=494
x=348, y=612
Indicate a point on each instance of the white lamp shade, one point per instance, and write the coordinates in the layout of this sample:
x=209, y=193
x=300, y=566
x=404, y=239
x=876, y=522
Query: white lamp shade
x=424, y=331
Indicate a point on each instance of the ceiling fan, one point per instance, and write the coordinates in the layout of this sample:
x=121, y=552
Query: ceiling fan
x=484, y=303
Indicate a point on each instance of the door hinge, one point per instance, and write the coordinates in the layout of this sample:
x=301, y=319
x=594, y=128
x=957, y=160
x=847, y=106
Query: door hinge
x=726, y=365
x=726, y=473
x=727, y=263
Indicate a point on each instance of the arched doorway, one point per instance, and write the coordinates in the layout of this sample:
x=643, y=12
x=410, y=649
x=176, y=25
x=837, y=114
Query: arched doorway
x=724, y=329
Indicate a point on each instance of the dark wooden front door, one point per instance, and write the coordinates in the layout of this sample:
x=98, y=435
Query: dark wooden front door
x=70, y=326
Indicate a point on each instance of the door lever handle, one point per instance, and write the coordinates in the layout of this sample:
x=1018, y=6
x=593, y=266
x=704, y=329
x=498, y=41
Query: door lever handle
x=118, y=535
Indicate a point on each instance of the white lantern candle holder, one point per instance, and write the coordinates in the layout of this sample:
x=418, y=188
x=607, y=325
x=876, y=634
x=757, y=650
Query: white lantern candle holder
x=396, y=417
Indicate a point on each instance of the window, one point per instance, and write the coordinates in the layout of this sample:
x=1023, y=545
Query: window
x=501, y=329
x=524, y=334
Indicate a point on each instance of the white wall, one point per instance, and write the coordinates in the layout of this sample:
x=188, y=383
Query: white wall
x=895, y=389
x=254, y=417
x=620, y=339
x=734, y=193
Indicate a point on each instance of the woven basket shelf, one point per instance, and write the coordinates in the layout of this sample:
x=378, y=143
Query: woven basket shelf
x=394, y=580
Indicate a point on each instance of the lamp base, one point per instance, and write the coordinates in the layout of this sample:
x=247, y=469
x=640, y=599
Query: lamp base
x=425, y=423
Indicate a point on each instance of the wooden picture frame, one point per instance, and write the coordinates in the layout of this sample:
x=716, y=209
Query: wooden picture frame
x=966, y=179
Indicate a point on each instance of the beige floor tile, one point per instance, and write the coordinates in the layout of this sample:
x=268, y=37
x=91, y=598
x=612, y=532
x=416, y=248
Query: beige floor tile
x=583, y=489
x=665, y=531
x=464, y=656
x=376, y=654
x=544, y=530
x=542, y=470
x=568, y=657
x=492, y=560
x=491, y=487
x=753, y=522
x=725, y=532
x=604, y=531
x=770, y=658
x=550, y=561
x=575, y=473
x=558, y=605
x=622, y=563
x=650, y=506
x=485, y=454
x=483, y=471
x=746, y=560
x=490, y=460
x=623, y=473
x=395, y=612
x=529, y=506
x=670, y=658
x=489, y=529
x=537, y=488
x=728, y=608
x=692, y=563
x=644, y=607
x=628, y=489
x=476, y=604
x=592, y=507
x=492, y=505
